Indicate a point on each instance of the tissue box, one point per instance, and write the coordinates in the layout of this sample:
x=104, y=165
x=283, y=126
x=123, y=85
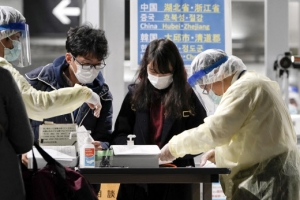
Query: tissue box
x=136, y=156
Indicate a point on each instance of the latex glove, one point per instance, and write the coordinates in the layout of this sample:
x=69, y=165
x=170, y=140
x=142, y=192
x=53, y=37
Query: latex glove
x=95, y=104
x=210, y=155
x=165, y=154
x=97, y=145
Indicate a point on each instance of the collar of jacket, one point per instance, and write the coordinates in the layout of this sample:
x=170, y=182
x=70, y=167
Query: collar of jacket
x=51, y=74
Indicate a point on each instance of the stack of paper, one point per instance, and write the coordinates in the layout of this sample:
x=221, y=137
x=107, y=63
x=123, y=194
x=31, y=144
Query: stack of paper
x=66, y=155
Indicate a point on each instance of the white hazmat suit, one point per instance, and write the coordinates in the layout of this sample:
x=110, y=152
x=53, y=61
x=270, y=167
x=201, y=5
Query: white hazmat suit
x=253, y=135
x=42, y=105
x=39, y=105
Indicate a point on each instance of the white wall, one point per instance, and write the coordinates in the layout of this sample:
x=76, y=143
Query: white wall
x=17, y=4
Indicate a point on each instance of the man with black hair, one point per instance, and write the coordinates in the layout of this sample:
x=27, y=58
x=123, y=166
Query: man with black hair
x=87, y=49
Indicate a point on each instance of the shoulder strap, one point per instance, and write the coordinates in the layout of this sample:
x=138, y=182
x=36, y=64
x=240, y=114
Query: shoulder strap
x=44, y=154
x=51, y=161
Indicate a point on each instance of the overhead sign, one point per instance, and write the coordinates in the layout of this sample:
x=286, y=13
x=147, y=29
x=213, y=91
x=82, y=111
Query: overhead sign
x=193, y=25
x=61, y=11
x=55, y=17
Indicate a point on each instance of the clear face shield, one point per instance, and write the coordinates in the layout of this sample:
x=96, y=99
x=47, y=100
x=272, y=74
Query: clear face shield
x=20, y=54
x=199, y=82
x=204, y=98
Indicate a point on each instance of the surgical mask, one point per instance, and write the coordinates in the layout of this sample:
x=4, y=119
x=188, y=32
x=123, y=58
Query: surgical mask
x=215, y=98
x=160, y=82
x=293, y=109
x=86, y=76
x=14, y=53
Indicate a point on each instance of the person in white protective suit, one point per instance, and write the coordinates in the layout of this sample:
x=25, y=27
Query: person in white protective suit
x=251, y=131
x=15, y=51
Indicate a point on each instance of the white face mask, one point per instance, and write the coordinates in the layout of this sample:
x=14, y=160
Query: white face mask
x=85, y=76
x=14, y=53
x=160, y=82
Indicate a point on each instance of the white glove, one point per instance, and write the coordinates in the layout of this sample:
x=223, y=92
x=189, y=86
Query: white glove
x=208, y=156
x=94, y=103
x=165, y=154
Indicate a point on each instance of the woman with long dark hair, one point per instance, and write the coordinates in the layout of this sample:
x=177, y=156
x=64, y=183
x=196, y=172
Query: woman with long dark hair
x=159, y=105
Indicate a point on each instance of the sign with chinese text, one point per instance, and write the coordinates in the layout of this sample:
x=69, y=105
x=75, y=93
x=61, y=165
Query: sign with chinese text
x=194, y=25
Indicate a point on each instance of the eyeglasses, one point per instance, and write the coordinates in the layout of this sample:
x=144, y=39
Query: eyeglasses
x=89, y=66
x=205, y=90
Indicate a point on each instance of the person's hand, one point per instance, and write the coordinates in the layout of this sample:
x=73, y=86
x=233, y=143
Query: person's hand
x=96, y=109
x=25, y=159
x=210, y=155
x=97, y=145
x=95, y=104
x=165, y=154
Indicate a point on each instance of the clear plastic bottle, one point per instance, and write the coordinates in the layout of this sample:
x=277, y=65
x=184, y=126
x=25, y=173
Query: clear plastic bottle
x=87, y=154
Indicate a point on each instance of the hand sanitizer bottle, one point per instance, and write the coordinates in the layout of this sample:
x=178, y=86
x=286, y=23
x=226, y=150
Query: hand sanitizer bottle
x=87, y=154
x=130, y=141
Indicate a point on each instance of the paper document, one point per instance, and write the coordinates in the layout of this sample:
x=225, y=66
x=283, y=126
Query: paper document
x=59, y=152
x=164, y=162
x=209, y=164
x=136, y=149
x=66, y=155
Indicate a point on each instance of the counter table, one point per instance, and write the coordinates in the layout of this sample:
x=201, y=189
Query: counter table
x=191, y=175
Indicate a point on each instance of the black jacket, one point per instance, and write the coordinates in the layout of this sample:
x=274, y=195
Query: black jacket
x=130, y=121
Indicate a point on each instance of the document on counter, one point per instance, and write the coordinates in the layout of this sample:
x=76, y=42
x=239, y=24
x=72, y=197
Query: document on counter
x=164, y=162
x=209, y=164
x=136, y=149
x=66, y=155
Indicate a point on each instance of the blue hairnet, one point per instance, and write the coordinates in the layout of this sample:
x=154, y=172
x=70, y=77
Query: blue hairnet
x=11, y=21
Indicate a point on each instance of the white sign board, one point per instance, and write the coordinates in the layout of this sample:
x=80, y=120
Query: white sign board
x=56, y=134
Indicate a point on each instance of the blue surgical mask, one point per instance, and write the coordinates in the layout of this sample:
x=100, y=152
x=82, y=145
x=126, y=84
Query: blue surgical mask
x=215, y=98
x=14, y=53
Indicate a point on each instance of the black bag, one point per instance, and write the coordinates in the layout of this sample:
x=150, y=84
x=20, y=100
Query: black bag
x=55, y=182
